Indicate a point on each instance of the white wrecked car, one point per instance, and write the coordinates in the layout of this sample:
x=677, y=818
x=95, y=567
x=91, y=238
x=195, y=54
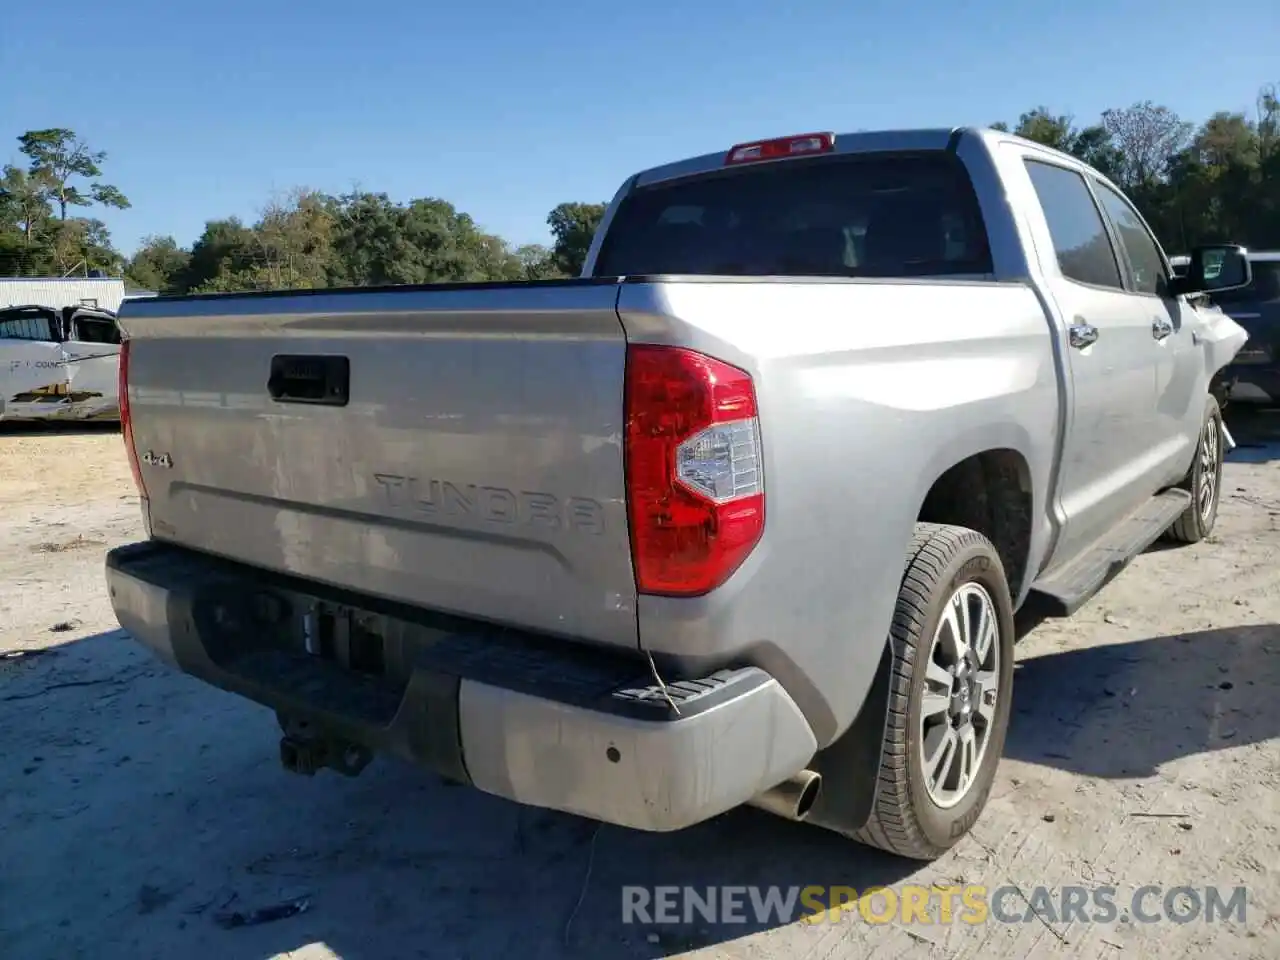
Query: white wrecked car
x=59, y=363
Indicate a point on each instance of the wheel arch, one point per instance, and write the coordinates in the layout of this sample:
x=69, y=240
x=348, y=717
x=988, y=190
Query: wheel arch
x=989, y=487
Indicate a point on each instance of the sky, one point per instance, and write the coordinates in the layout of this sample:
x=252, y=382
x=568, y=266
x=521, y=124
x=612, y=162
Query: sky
x=506, y=108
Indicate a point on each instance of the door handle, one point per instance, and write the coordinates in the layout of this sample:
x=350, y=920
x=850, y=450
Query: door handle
x=1161, y=328
x=1082, y=335
x=310, y=379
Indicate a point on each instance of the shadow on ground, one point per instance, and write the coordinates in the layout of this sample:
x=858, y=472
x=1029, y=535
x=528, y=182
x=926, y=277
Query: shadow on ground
x=1256, y=430
x=1124, y=710
x=140, y=806
x=46, y=428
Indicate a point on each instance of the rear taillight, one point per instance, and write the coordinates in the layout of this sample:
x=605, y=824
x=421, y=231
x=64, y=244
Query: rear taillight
x=695, y=481
x=126, y=424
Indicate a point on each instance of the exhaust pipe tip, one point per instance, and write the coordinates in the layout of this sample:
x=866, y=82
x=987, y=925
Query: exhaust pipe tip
x=1229, y=440
x=793, y=798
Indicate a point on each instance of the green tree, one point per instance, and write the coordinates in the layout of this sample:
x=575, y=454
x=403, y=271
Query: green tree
x=368, y=246
x=1226, y=139
x=1268, y=123
x=293, y=242
x=58, y=158
x=223, y=252
x=158, y=264
x=1043, y=126
x=573, y=226
x=24, y=201
x=377, y=241
x=1220, y=181
x=24, y=224
x=80, y=244
x=1091, y=144
x=537, y=262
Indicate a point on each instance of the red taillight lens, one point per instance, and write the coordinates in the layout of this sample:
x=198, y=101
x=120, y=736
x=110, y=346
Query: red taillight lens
x=695, y=481
x=126, y=421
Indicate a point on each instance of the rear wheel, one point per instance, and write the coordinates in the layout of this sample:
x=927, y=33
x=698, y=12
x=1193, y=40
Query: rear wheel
x=952, y=638
x=1203, y=481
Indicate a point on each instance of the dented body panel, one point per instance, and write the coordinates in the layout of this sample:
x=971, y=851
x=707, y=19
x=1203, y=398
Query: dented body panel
x=58, y=381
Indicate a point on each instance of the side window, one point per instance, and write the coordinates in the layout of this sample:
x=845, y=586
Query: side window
x=1079, y=235
x=1146, y=266
x=96, y=331
x=26, y=328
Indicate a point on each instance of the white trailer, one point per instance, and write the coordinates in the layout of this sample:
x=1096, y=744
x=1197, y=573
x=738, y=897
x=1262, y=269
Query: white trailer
x=97, y=293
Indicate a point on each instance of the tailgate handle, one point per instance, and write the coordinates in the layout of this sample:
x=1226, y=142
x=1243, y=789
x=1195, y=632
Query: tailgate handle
x=310, y=379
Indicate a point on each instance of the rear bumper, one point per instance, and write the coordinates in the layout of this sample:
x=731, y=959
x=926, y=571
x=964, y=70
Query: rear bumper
x=537, y=721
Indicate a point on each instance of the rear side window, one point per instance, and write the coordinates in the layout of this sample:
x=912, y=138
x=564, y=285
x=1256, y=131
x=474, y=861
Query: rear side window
x=26, y=326
x=874, y=215
x=1079, y=236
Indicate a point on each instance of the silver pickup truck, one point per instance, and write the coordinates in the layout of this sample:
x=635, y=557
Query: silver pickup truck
x=742, y=515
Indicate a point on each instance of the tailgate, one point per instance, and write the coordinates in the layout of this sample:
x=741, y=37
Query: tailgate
x=457, y=448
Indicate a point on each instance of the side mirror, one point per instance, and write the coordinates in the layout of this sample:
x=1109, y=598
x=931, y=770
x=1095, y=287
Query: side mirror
x=1213, y=268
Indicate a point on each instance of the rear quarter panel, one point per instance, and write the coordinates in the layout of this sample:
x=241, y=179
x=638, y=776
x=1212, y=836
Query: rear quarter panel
x=868, y=392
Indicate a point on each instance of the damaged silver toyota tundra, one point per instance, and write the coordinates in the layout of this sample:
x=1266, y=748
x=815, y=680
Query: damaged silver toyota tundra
x=741, y=516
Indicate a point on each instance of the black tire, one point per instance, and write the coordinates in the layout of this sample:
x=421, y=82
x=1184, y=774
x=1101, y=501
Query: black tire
x=1195, y=523
x=905, y=819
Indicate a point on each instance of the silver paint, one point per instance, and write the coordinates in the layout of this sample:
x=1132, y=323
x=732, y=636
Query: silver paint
x=511, y=397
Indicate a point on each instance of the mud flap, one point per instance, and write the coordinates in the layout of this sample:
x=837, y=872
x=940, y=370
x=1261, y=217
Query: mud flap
x=850, y=766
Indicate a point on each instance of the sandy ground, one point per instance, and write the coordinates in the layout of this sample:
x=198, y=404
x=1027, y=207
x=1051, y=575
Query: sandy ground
x=140, y=806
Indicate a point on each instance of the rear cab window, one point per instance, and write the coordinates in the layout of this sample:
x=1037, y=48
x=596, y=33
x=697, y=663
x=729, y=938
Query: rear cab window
x=862, y=215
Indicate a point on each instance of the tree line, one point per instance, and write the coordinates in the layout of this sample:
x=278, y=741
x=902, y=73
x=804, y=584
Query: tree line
x=1216, y=181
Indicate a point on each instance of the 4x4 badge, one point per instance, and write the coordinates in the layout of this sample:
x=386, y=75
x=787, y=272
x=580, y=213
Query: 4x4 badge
x=157, y=459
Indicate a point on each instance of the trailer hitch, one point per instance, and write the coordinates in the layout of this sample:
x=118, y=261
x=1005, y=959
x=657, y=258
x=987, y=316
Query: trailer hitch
x=306, y=751
x=308, y=756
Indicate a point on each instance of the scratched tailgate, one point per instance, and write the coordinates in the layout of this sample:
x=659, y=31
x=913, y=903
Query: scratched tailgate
x=458, y=447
